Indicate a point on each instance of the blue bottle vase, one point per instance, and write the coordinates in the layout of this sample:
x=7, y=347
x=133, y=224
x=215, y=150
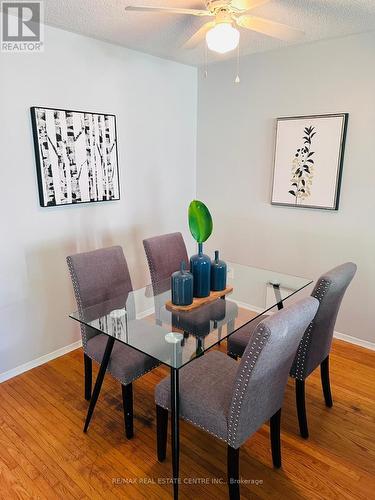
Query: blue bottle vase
x=200, y=268
x=182, y=287
x=218, y=274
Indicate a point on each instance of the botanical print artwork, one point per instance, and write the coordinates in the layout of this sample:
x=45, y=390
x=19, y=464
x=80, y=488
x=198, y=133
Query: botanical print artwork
x=309, y=153
x=76, y=155
x=303, y=167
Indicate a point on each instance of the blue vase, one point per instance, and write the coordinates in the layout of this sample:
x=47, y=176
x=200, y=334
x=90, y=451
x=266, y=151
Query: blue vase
x=182, y=287
x=218, y=274
x=200, y=268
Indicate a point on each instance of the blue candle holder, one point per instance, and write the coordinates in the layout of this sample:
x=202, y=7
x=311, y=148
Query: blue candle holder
x=218, y=274
x=182, y=287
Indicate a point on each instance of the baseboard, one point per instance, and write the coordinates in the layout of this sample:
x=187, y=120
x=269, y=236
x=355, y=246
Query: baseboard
x=52, y=355
x=76, y=345
x=39, y=361
x=249, y=307
x=146, y=313
x=354, y=340
x=337, y=335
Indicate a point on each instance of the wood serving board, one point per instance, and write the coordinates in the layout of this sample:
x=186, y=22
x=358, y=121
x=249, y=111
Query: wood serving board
x=199, y=302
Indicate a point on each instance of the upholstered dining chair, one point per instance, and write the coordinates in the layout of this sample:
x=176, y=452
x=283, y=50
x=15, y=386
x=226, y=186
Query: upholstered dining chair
x=232, y=400
x=164, y=255
x=315, y=345
x=99, y=276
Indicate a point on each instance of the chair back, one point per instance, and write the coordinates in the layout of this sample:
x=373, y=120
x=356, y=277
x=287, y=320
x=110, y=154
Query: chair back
x=164, y=255
x=99, y=276
x=316, y=341
x=262, y=375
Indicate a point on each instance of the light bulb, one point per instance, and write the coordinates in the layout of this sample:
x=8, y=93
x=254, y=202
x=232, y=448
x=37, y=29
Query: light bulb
x=222, y=38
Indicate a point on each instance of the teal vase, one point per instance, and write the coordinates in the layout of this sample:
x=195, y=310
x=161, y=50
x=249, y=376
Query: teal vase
x=218, y=274
x=200, y=268
x=182, y=287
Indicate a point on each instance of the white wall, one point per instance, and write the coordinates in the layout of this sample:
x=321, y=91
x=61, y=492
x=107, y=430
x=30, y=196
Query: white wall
x=236, y=127
x=155, y=104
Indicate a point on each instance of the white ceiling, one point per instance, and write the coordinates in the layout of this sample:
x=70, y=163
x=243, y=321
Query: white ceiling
x=163, y=34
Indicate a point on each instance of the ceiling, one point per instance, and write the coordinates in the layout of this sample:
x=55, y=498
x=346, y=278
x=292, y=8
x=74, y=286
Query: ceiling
x=164, y=34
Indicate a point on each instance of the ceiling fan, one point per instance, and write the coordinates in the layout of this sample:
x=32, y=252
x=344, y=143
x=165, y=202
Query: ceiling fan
x=221, y=33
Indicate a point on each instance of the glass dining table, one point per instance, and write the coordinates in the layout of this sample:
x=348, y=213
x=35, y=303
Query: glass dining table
x=143, y=320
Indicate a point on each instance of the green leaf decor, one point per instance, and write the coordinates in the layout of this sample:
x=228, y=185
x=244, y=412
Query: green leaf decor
x=200, y=221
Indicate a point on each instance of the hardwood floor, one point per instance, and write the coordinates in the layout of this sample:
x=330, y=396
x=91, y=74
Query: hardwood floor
x=44, y=453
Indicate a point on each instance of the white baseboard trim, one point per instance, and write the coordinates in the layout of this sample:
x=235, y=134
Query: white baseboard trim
x=354, y=340
x=249, y=307
x=52, y=355
x=39, y=361
x=337, y=335
x=76, y=345
x=146, y=313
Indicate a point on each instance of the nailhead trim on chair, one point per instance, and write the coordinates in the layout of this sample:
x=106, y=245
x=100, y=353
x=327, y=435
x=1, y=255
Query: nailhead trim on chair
x=77, y=294
x=298, y=368
x=152, y=269
x=127, y=381
x=196, y=424
x=258, y=343
x=154, y=281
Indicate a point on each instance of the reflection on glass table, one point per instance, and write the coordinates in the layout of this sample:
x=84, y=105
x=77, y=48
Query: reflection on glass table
x=141, y=320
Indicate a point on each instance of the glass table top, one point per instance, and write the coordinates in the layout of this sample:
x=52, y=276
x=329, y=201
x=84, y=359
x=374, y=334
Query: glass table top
x=142, y=321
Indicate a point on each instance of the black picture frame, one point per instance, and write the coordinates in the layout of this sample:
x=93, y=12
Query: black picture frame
x=340, y=161
x=39, y=161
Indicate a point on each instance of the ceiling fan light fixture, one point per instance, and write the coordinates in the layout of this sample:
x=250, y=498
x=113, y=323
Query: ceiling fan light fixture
x=222, y=38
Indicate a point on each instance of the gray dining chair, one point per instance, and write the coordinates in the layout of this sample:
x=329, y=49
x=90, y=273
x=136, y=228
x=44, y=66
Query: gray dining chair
x=99, y=276
x=233, y=400
x=164, y=255
x=316, y=343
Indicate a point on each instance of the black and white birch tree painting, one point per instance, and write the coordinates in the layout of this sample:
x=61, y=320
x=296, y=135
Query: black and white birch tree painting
x=76, y=156
x=308, y=160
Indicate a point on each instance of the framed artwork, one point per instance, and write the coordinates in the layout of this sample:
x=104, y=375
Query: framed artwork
x=76, y=156
x=309, y=154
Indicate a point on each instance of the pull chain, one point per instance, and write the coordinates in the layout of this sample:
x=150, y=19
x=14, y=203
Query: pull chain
x=237, y=79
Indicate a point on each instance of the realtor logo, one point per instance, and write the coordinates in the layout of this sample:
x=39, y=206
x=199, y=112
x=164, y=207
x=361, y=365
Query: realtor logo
x=21, y=26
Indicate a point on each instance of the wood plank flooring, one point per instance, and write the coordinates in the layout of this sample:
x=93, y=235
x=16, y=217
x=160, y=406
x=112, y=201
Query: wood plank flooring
x=44, y=453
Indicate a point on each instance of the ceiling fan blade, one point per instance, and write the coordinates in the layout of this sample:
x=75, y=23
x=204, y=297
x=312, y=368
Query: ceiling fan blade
x=269, y=28
x=198, y=36
x=168, y=10
x=247, y=4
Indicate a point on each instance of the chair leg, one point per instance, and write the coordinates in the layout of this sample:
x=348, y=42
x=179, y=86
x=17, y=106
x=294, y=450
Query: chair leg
x=161, y=430
x=275, y=439
x=231, y=355
x=127, y=401
x=233, y=468
x=301, y=408
x=219, y=334
x=88, y=376
x=324, y=375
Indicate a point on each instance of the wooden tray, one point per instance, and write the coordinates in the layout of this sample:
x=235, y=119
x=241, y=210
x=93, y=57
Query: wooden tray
x=199, y=302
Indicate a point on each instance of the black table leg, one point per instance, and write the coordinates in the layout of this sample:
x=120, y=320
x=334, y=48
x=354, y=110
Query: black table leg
x=276, y=289
x=175, y=407
x=88, y=376
x=219, y=333
x=99, y=381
